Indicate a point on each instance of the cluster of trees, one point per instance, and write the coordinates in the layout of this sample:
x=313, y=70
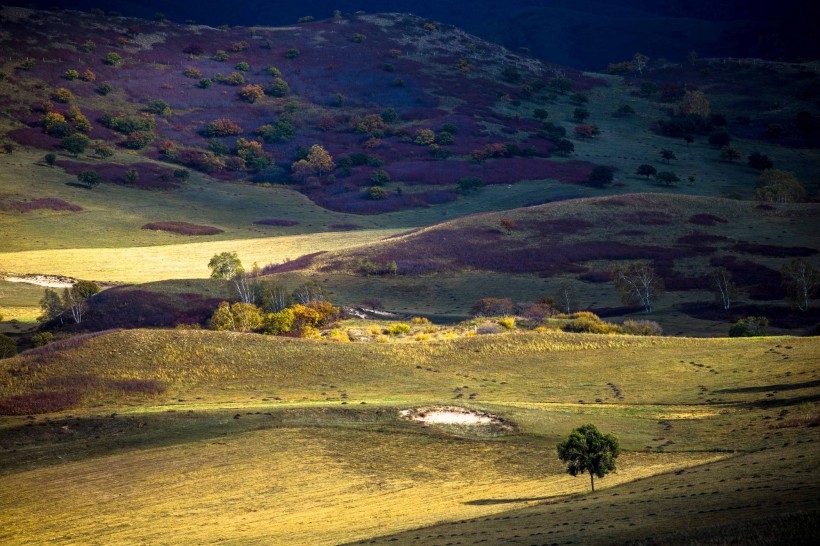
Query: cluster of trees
x=267, y=307
x=73, y=302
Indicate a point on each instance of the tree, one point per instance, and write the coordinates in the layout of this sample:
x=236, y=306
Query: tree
x=638, y=283
x=89, y=178
x=760, y=161
x=640, y=62
x=587, y=449
x=580, y=114
x=320, y=160
x=225, y=265
x=646, y=170
x=564, y=147
x=725, y=289
x=801, y=280
x=749, y=327
x=75, y=144
x=694, y=102
x=667, y=178
x=600, y=177
x=729, y=153
x=668, y=155
x=779, y=186
x=50, y=159
x=75, y=299
x=720, y=138
x=51, y=305
x=8, y=348
x=566, y=297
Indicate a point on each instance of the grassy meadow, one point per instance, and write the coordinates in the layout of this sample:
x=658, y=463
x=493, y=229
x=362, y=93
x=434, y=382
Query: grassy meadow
x=255, y=439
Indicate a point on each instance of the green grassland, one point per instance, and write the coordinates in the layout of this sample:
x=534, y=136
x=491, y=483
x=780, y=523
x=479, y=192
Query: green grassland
x=270, y=440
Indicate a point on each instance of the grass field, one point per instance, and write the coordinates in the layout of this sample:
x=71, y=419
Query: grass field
x=276, y=441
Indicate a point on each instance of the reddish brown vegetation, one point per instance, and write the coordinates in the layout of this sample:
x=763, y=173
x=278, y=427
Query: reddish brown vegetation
x=183, y=228
x=706, y=220
x=40, y=402
x=280, y=222
x=48, y=203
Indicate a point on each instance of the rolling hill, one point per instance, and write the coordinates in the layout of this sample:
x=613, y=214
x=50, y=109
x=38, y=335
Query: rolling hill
x=444, y=191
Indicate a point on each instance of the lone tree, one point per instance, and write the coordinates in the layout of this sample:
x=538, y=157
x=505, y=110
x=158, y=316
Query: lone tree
x=225, y=266
x=638, y=283
x=725, y=289
x=587, y=449
x=801, y=280
x=646, y=170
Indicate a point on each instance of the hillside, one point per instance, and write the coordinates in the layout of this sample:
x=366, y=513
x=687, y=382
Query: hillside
x=264, y=439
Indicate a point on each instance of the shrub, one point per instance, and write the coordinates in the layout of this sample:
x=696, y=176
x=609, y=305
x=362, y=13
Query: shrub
x=89, y=178
x=220, y=56
x=88, y=75
x=379, y=177
x=398, y=329
x=242, y=66
x=600, y=177
x=359, y=38
x=492, y=307
x=251, y=93
x=273, y=71
x=241, y=45
x=88, y=46
x=508, y=323
x=8, y=348
x=191, y=72
x=488, y=328
x=75, y=144
x=424, y=137
x=61, y=94
x=113, y=59
x=104, y=89
x=376, y=193
x=222, y=127
x=159, y=107
x=50, y=159
x=71, y=74
x=278, y=88
x=137, y=140
x=642, y=328
x=204, y=83
x=470, y=184
x=749, y=327
x=586, y=322
x=292, y=53
x=278, y=323
x=43, y=338
x=234, y=78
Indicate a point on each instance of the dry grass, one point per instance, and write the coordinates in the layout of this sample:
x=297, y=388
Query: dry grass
x=274, y=441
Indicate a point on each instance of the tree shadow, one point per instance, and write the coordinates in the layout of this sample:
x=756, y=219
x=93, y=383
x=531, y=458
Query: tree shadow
x=777, y=387
x=491, y=502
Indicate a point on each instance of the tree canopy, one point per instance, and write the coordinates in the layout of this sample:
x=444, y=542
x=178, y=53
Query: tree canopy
x=225, y=265
x=587, y=449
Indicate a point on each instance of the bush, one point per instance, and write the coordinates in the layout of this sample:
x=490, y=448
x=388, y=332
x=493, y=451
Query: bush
x=113, y=59
x=104, y=89
x=61, y=94
x=376, y=193
x=508, y=323
x=398, y=329
x=89, y=178
x=43, y=338
x=749, y=327
x=379, y=177
x=642, y=328
x=492, y=307
x=252, y=93
x=278, y=88
x=75, y=144
x=222, y=127
x=8, y=348
x=586, y=322
x=71, y=74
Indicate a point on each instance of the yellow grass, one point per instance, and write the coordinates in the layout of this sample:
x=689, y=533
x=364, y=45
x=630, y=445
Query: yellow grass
x=183, y=261
x=284, y=486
